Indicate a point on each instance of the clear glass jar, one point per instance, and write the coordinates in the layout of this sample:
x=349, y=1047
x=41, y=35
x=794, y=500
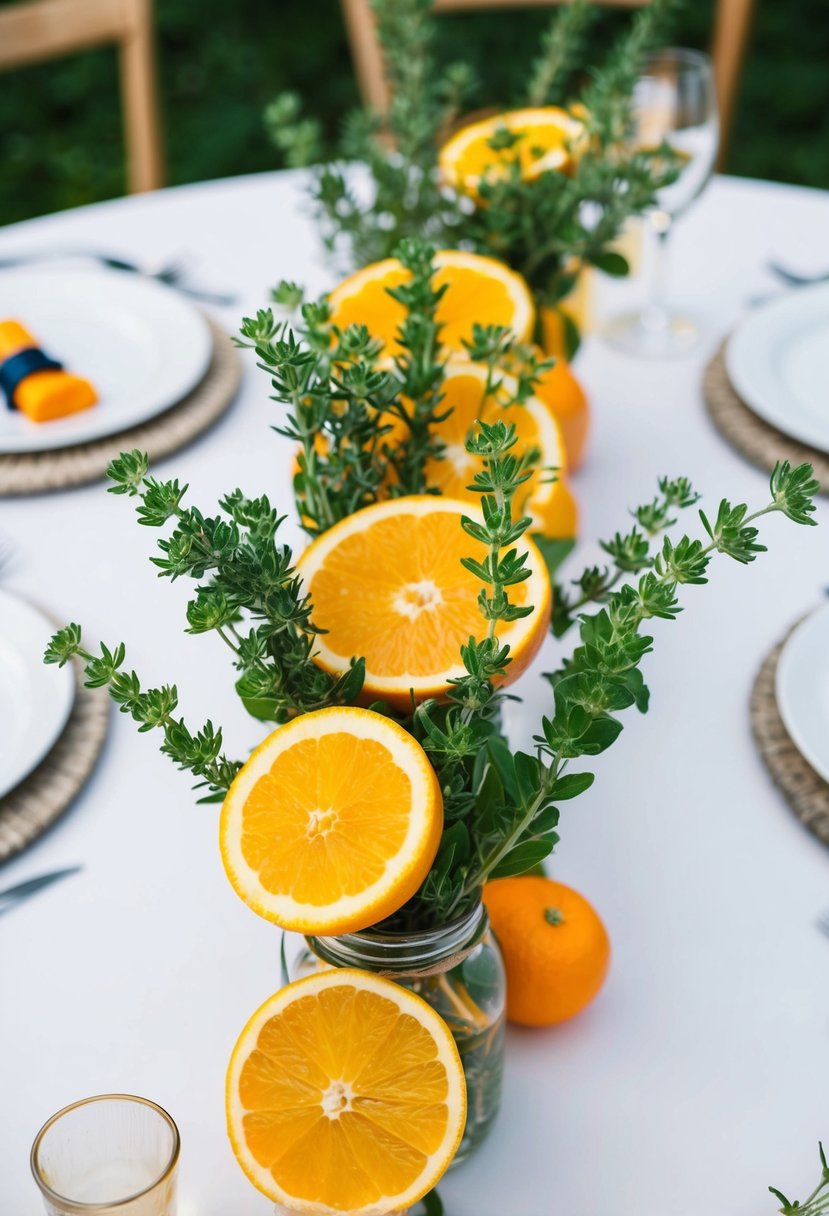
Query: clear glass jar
x=459, y=971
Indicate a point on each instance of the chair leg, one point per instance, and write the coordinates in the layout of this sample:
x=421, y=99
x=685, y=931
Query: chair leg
x=731, y=30
x=145, y=162
x=366, y=53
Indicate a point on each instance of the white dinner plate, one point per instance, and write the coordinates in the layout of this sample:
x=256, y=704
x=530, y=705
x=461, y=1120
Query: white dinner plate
x=778, y=361
x=142, y=346
x=35, y=700
x=802, y=689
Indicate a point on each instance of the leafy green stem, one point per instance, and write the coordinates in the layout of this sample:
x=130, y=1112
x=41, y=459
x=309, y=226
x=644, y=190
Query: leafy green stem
x=201, y=752
x=489, y=863
x=817, y=1204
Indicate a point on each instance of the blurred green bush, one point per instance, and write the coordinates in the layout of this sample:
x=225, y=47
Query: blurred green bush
x=60, y=123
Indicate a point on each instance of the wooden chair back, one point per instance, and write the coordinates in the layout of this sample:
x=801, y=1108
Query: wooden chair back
x=39, y=30
x=732, y=22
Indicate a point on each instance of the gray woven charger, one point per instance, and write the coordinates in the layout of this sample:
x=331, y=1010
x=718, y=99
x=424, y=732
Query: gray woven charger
x=33, y=472
x=46, y=793
x=805, y=791
x=760, y=443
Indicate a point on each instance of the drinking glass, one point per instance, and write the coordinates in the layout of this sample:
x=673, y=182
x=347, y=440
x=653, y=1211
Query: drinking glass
x=111, y=1155
x=673, y=102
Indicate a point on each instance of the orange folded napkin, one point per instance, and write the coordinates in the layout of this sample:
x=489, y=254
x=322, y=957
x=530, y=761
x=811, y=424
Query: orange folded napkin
x=35, y=384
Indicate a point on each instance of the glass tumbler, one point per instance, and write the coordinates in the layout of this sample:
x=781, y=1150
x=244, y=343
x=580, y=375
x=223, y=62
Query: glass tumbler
x=111, y=1155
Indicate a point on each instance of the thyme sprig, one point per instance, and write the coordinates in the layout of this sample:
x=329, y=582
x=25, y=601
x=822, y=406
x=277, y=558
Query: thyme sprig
x=367, y=429
x=455, y=735
x=816, y=1204
x=398, y=149
x=252, y=599
x=792, y=492
x=503, y=807
x=200, y=753
x=562, y=51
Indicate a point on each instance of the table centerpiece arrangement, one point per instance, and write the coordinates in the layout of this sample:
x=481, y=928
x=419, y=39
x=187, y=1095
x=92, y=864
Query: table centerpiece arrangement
x=548, y=187
x=388, y=795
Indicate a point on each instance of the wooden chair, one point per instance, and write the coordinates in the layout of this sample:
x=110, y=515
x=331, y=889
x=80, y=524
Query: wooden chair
x=731, y=28
x=45, y=29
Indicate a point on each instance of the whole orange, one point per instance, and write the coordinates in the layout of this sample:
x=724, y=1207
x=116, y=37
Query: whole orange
x=561, y=392
x=556, y=949
x=558, y=519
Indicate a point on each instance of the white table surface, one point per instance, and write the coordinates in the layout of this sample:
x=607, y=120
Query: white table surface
x=700, y=1074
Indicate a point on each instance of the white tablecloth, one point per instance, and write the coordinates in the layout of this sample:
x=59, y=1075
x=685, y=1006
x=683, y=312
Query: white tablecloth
x=700, y=1074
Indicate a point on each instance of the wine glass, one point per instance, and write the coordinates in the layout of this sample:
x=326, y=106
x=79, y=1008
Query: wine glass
x=673, y=102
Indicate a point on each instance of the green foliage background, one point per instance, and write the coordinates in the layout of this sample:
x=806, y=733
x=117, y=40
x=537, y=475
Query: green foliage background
x=60, y=123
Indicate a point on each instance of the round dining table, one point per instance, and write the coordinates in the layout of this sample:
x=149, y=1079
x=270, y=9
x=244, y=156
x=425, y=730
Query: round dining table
x=699, y=1074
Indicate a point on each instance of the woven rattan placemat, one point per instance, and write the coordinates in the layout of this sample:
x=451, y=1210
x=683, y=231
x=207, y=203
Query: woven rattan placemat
x=33, y=472
x=46, y=793
x=805, y=791
x=760, y=443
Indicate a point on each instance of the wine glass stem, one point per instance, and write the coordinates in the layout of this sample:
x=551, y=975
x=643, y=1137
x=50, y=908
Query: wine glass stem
x=655, y=315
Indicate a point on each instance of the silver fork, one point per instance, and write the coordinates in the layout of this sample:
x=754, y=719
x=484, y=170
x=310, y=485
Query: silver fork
x=792, y=278
x=172, y=272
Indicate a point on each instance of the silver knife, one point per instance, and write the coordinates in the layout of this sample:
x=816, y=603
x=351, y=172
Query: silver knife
x=12, y=896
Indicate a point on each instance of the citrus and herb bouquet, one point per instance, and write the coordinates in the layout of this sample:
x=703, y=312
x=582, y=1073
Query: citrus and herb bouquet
x=547, y=185
x=386, y=798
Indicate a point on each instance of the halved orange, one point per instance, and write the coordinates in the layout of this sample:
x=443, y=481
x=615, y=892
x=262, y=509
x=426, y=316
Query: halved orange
x=549, y=503
x=549, y=138
x=387, y=583
x=345, y=1093
x=479, y=289
x=333, y=822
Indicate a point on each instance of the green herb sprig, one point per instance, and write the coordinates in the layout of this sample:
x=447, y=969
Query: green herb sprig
x=366, y=430
x=562, y=47
x=252, y=599
x=200, y=753
x=816, y=1204
x=503, y=807
x=398, y=149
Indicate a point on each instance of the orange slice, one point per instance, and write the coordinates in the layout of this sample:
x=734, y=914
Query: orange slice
x=387, y=583
x=549, y=503
x=345, y=1093
x=549, y=139
x=479, y=289
x=333, y=822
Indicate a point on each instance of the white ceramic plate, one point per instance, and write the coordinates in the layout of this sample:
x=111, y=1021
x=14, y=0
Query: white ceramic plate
x=778, y=361
x=141, y=345
x=802, y=689
x=35, y=700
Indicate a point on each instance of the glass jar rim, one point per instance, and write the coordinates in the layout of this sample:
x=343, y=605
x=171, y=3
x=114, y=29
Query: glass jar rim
x=408, y=950
x=77, y=1205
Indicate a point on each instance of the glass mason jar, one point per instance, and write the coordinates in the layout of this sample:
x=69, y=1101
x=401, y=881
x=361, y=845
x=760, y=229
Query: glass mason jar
x=458, y=970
